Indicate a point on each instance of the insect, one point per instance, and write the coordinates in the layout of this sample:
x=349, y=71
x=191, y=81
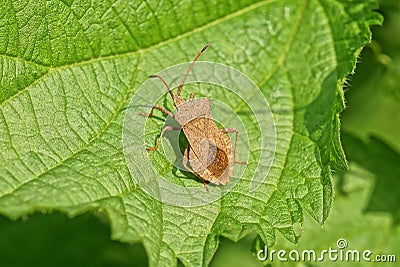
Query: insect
x=209, y=151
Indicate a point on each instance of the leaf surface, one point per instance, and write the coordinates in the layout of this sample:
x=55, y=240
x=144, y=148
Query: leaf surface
x=70, y=68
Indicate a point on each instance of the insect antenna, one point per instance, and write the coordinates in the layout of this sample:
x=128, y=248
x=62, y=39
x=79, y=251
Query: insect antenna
x=190, y=67
x=165, y=83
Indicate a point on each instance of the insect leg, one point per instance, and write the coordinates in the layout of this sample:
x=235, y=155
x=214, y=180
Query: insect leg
x=234, y=130
x=163, y=110
x=191, y=96
x=185, y=160
x=167, y=128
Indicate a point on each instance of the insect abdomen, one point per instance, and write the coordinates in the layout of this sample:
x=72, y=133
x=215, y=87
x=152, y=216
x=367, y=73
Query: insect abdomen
x=220, y=164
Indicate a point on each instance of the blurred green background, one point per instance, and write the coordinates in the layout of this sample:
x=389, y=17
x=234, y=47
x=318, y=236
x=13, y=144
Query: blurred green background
x=366, y=203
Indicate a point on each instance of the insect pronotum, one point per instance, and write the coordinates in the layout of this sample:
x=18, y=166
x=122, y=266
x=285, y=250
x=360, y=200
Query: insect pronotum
x=209, y=153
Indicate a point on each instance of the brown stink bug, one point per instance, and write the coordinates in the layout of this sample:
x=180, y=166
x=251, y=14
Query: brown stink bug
x=209, y=152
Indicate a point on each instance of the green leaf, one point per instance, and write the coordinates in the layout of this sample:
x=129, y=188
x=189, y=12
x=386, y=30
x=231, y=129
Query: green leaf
x=70, y=68
x=355, y=216
x=382, y=161
x=56, y=240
